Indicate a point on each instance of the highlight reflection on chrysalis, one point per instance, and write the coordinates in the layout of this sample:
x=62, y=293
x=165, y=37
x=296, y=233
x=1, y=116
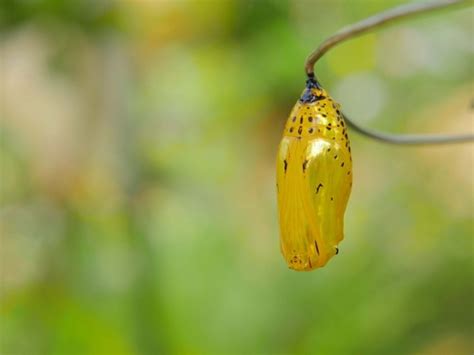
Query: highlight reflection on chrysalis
x=314, y=180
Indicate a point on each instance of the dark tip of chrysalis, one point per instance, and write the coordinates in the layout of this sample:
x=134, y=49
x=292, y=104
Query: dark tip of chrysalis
x=311, y=83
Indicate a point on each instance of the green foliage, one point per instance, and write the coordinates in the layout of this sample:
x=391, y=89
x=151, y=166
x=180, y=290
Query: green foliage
x=90, y=15
x=137, y=198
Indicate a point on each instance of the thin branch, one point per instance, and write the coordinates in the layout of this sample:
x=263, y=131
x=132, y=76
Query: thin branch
x=410, y=139
x=372, y=23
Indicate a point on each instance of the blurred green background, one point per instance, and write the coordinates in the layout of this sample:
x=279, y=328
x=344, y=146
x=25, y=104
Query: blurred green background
x=138, y=207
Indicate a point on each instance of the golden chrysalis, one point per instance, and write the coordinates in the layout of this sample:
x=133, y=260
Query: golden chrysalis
x=314, y=180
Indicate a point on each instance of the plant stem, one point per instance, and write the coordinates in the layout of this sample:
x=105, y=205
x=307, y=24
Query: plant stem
x=372, y=23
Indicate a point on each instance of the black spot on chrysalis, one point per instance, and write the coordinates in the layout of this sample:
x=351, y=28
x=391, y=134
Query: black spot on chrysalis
x=316, y=246
x=319, y=186
x=305, y=163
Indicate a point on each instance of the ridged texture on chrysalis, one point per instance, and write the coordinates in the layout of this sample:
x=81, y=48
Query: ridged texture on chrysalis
x=314, y=180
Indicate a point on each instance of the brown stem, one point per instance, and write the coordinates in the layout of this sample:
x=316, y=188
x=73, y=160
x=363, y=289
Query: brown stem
x=374, y=22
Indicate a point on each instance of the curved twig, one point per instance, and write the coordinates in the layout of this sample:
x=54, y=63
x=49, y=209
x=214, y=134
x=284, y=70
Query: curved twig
x=410, y=139
x=373, y=22
x=365, y=26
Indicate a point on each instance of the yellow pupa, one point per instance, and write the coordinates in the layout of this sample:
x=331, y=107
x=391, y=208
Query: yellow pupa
x=314, y=180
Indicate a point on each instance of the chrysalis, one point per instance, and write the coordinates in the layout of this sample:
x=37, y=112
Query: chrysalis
x=314, y=180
